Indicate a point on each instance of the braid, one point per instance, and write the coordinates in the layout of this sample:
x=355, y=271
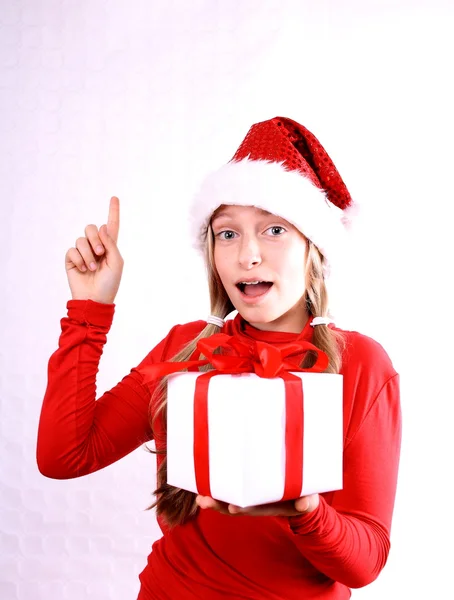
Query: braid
x=317, y=305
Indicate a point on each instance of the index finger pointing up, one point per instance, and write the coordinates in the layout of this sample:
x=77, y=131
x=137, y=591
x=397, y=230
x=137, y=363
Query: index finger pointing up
x=113, y=220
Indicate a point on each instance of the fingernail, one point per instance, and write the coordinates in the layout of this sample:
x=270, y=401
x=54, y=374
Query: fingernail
x=235, y=509
x=99, y=249
x=302, y=507
x=93, y=266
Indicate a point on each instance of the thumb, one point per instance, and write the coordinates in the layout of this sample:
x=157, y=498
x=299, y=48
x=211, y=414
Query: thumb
x=307, y=504
x=105, y=237
x=109, y=243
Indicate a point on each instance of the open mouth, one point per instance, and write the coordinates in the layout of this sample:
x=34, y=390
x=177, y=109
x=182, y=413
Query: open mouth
x=253, y=290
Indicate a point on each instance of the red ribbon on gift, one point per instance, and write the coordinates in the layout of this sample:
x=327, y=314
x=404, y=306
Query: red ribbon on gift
x=265, y=361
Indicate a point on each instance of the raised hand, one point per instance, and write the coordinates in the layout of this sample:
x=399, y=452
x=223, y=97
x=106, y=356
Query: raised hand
x=95, y=266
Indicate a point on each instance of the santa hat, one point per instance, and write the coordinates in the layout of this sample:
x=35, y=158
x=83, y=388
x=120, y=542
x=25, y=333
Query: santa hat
x=282, y=168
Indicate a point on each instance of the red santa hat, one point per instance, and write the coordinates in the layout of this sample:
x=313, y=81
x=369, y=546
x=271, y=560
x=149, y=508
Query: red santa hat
x=282, y=168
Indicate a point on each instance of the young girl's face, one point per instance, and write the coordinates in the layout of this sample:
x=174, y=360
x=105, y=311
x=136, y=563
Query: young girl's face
x=252, y=244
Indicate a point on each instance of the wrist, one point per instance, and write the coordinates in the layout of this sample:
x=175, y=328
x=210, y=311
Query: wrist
x=93, y=299
x=308, y=522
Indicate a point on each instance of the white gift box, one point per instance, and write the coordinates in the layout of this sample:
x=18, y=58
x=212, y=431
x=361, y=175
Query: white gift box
x=246, y=424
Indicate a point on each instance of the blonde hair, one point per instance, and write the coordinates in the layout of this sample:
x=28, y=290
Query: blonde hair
x=175, y=505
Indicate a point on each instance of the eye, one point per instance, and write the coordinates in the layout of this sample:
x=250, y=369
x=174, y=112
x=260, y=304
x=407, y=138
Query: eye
x=225, y=231
x=276, y=227
x=229, y=231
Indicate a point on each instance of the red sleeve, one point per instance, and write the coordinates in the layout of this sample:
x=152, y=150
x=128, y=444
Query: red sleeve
x=348, y=539
x=78, y=434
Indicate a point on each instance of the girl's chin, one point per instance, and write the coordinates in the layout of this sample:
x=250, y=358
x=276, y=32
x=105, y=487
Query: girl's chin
x=257, y=314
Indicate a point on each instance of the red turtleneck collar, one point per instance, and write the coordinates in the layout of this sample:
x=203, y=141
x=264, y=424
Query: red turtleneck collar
x=239, y=326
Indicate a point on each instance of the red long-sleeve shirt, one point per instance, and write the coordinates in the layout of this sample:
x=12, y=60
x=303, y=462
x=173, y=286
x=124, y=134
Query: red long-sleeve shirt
x=344, y=543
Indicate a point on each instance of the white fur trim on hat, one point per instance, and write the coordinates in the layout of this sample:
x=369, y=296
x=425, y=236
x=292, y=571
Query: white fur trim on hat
x=270, y=186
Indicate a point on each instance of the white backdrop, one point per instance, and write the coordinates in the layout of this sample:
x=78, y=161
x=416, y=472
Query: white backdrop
x=140, y=99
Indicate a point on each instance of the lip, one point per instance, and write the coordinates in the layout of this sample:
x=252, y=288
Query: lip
x=249, y=279
x=252, y=299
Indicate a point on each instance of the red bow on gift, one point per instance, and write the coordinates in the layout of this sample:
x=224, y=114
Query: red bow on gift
x=265, y=360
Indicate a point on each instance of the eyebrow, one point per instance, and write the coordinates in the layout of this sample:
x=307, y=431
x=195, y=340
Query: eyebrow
x=226, y=213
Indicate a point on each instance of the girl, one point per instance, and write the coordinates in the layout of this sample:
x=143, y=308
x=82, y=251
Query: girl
x=270, y=224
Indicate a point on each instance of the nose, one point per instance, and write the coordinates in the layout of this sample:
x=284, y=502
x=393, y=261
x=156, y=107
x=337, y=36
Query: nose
x=249, y=253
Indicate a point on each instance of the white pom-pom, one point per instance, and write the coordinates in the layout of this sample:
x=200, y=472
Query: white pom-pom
x=350, y=214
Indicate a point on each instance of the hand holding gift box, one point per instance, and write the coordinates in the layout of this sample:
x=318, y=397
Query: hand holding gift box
x=256, y=429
